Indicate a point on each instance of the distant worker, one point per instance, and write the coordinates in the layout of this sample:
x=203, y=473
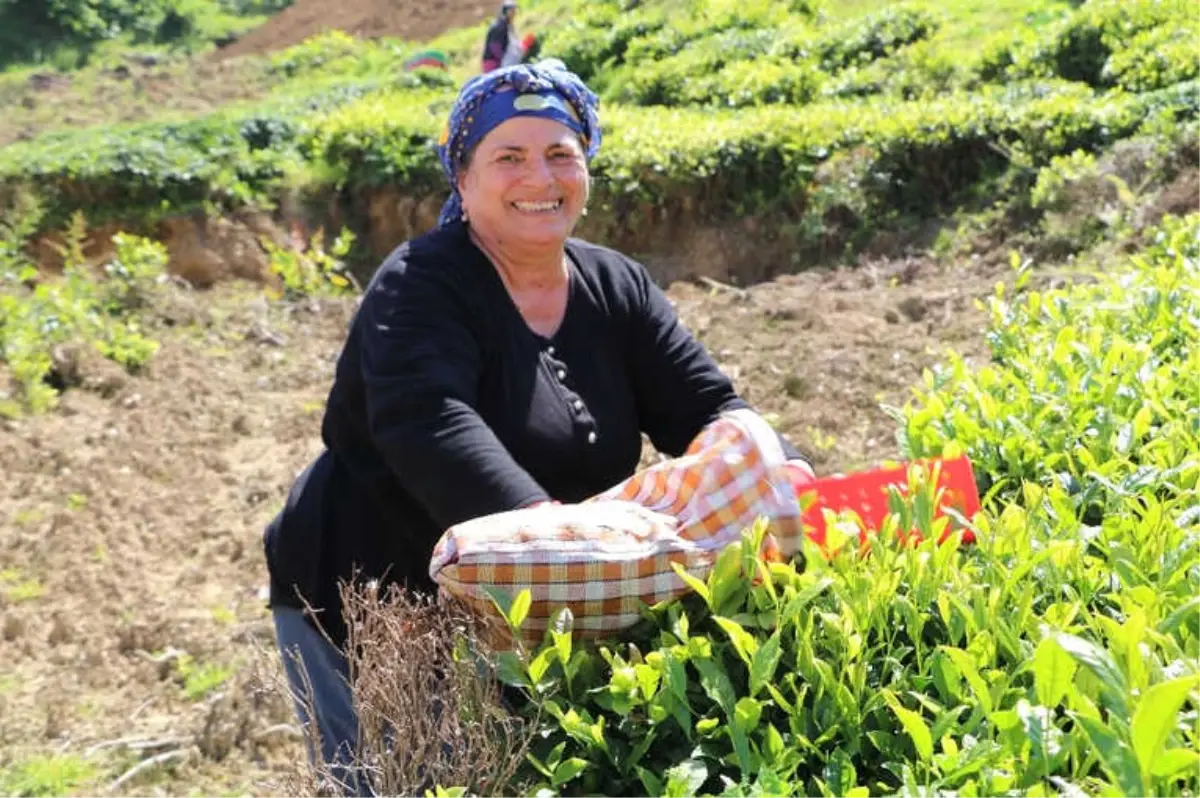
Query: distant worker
x=502, y=47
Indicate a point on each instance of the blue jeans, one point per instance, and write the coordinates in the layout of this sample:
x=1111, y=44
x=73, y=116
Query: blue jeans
x=336, y=722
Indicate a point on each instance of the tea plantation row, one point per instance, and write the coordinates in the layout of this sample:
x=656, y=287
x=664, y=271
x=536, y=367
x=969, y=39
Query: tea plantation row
x=906, y=120
x=1055, y=656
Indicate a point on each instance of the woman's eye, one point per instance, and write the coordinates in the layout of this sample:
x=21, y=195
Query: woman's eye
x=509, y=158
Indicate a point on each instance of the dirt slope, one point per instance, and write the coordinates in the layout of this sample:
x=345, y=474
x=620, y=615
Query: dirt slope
x=416, y=20
x=132, y=524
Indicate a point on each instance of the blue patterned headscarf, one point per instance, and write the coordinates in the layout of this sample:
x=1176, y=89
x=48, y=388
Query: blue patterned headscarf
x=546, y=89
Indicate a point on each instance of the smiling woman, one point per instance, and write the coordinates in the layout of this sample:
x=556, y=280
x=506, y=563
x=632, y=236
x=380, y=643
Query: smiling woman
x=495, y=363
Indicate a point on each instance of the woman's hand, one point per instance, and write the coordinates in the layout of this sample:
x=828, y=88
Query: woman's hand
x=799, y=473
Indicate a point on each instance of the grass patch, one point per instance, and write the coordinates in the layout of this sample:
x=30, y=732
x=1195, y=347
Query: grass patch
x=198, y=678
x=46, y=775
x=17, y=587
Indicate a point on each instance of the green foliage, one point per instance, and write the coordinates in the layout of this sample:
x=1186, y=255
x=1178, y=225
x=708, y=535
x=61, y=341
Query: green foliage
x=1136, y=44
x=41, y=320
x=316, y=52
x=1091, y=391
x=911, y=157
x=1050, y=191
x=199, y=679
x=138, y=266
x=909, y=111
x=16, y=587
x=313, y=272
x=875, y=36
x=52, y=775
x=1082, y=202
x=1056, y=656
x=67, y=31
x=1153, y=59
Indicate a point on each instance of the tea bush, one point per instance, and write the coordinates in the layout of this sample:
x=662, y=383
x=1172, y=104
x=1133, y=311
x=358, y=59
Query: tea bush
x=1103, y=40
x=1153, y=59
x=1058, y=655
x=44, y=319
x=918, y=154
x=236, y=157
x=313, y=271
x=928, y=113
x=1092, y=388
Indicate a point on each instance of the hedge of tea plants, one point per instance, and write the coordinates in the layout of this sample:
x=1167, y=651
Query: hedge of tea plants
x=719, y=107
x=1055, y=656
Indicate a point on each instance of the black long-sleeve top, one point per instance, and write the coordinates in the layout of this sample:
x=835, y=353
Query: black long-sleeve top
x=447, y=406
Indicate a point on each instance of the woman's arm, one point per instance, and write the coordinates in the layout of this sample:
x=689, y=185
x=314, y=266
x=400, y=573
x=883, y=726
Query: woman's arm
x=679, y=388
x=420, y=369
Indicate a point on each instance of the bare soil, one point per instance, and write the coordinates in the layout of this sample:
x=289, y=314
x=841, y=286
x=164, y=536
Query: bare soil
x=131, y=523
x=132, y=92
x=367, y=19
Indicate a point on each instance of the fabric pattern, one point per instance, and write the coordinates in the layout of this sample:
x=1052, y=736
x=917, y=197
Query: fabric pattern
x=464, y=122
x=607, y=556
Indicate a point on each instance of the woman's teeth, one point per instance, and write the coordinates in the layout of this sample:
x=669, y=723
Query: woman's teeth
x=538, y=207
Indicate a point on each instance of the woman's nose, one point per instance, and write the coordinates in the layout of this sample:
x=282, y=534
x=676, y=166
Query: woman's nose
x=539, y=171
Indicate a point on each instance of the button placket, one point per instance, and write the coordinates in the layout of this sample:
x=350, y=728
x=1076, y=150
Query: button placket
x=560, y=372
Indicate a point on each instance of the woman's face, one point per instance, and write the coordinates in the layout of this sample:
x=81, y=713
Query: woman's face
x=527, y=182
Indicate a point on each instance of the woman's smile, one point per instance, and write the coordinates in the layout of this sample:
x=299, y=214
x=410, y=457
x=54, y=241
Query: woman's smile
x=537, y=206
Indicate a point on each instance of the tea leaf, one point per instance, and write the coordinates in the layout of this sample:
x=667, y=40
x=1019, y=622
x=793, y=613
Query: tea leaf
x=966, y=666
x=1101, y=664
x=1180, y=615
x=914, y=724
x=694, y=583
x=1053, y=672
x=764, y=662
x=745, y=645
x=686, y=778
x=716, y=685
x=1155, y=718
x=520, y=609
x=1171, y=764
x=510, y=670
x=1119, y=760
x=568, y=769
x=839, y=773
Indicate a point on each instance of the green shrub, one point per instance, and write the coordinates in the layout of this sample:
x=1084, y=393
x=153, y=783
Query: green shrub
x=1154, y=59
x=601, y=40
x=1081, y=47
x=316, y=52
x=923, y=69
x=1091, y=387
x=138, y=267
x=77, y=311
x=49, y=775
x=1055, y=656
x=228, y=159
x=386, y=138
x=1081, y=204
x=928, y=123
x=314, y=271
x=875, y=36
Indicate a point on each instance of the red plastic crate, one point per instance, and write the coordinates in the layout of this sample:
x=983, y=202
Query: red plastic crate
x=866, y=493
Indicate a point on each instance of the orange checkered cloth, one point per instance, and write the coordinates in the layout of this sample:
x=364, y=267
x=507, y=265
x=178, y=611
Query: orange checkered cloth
x=608, y=555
